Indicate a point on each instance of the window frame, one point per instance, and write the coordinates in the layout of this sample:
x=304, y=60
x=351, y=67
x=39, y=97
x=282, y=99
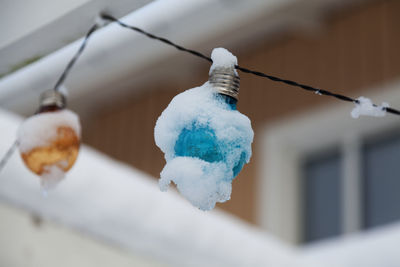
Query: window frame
x=285, y=142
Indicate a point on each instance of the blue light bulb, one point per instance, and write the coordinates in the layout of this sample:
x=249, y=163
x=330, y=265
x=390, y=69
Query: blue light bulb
x=201, y=141
x=206, y=141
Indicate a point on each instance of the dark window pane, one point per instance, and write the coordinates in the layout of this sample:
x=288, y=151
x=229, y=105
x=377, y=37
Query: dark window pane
x=322, y=197
x=382, y=182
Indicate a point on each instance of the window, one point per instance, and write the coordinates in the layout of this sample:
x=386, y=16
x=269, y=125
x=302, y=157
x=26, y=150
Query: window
x=322, y=197
x=381, y=172
x=325, y=160
x=379, y=185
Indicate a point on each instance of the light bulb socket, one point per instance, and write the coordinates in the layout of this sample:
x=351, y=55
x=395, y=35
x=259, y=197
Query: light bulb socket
x=225, y=81
x=52, y=98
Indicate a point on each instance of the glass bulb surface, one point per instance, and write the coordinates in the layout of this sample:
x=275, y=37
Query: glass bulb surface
x=201, y=142
x=49, y=144
x=62, y=152
x=206, y=142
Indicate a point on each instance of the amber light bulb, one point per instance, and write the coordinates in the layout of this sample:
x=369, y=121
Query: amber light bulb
x=49, y=140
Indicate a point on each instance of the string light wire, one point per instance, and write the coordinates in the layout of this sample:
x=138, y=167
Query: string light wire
x=8, y=154
x=78, y=53
x=110, y=18
x=317, y=91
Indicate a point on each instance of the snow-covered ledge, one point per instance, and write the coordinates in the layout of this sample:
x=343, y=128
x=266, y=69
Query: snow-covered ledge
x=120, y=205
x=375, y=248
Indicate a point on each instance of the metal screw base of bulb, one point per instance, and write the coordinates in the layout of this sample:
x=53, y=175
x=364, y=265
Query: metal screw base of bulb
x=52, y=98
x=225, y=81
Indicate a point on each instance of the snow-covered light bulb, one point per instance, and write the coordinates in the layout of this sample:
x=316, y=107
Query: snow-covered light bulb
x=206, y=141
x=49, y=140
x=201, y=141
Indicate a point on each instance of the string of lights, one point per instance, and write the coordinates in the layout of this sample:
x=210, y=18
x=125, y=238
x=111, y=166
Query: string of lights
x=106, y=17
x=317, y=91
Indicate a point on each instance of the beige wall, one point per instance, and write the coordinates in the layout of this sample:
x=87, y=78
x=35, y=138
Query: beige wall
x=28, y=241
x=355, y=49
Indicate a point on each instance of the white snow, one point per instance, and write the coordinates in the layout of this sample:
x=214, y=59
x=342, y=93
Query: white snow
x=51, y=176
x=202, y=183
x=366, y=107
x=222, y=58
x=41, y=129
x=376, y=247
x=64, y=90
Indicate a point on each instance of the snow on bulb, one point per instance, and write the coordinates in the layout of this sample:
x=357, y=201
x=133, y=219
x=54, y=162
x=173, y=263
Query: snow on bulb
x=206, y=141
x=49, y=140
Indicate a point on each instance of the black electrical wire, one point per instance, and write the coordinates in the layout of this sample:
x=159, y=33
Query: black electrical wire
x=74, y=58
x=8, y=154
x=243, y=69
x=152, y=36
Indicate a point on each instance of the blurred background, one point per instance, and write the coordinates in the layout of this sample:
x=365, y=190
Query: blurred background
x=321, y=185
